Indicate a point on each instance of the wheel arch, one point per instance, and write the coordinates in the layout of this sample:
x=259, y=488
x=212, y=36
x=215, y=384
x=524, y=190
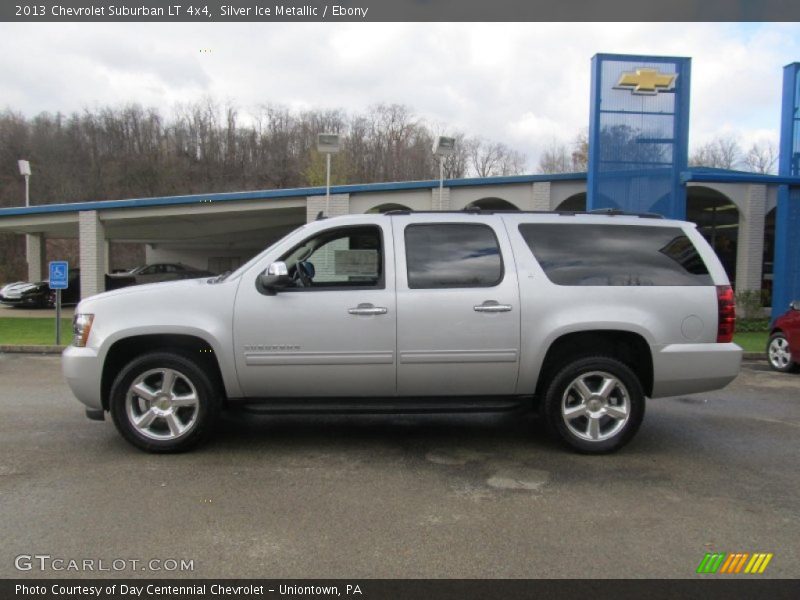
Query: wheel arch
x=627, y=346
x=123, y=350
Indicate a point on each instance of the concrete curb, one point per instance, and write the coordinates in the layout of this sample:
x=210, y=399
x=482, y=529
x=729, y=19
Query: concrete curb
x=15, y=349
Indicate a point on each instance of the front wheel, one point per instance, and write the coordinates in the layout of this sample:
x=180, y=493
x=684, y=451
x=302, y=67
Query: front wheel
x=163, y=402
x=594, y=405
x=779, y=354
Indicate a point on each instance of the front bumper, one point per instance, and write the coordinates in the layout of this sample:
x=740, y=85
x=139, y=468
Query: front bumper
x=83, y=371
x=692, y=368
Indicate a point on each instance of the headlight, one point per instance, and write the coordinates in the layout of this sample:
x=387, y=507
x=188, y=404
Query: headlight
x=81, y=326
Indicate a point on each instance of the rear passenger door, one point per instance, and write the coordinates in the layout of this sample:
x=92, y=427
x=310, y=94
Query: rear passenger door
x=458, y=317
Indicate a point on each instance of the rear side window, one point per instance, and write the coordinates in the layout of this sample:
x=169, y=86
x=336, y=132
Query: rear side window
x=626, y=255
x=452, y=255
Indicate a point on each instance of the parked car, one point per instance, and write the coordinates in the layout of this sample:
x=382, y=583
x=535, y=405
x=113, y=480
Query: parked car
x=581, y=315
x=153, y=274
x=39, y=295
x=783, y=348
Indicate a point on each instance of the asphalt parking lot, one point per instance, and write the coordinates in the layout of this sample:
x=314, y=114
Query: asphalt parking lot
x=428, y=496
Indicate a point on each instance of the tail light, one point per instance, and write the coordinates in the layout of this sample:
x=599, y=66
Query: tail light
x=727, y=314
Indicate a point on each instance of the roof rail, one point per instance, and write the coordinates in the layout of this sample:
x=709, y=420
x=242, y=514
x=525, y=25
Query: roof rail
x=610, y=212
x=614, y=212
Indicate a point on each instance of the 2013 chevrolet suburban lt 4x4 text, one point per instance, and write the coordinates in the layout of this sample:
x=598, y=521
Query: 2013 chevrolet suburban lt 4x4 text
x=581, y=315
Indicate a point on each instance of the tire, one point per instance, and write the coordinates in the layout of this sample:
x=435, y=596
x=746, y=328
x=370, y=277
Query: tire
x=163, y=402
x=600, y=416
x=778, y=354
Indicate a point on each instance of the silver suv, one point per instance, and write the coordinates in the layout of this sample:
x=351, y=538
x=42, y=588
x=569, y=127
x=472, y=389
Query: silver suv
x=580, y=315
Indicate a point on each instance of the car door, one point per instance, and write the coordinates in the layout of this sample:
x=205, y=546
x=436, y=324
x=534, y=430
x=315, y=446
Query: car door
x=334, y=335
x=458, y=317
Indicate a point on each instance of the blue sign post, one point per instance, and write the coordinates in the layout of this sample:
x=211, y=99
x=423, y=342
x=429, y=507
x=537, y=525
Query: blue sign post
x=58, y=280
x=638, y=134
x=786, y=272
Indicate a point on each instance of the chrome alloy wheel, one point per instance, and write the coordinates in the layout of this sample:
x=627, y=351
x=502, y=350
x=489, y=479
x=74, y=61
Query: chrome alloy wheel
x=162, y=404
x=595, y=406
x=779, y=355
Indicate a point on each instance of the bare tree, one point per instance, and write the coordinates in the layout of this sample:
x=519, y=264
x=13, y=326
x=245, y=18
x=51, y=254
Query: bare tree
x=129, y=151
x=580, y=152
x=555, y=159
x=723, y=152
x=491, y=159
x=761, y=157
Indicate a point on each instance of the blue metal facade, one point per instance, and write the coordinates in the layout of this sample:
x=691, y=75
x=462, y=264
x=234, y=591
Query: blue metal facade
x=638, y=134
x=786, y=282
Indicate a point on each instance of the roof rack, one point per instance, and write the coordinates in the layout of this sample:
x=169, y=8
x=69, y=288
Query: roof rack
x=610, y=212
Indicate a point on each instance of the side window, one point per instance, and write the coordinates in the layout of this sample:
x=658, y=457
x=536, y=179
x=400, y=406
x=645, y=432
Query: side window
x=615, y=255
x=452, y=255
x=149, y=270
x=345, y=257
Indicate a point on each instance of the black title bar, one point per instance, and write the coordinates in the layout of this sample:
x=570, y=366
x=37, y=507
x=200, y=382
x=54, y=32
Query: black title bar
x=204, y=11
x=743, y=588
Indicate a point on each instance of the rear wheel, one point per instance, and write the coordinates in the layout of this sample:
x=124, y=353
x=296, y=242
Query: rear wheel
x=163, y=402
x=594, y=405
x=779, y=355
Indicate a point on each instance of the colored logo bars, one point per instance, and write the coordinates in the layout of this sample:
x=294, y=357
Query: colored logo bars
x=734, y=563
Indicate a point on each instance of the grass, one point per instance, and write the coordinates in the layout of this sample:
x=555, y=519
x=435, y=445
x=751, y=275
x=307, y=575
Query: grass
x=41, y=331
x=752, y=341
x=33, y=331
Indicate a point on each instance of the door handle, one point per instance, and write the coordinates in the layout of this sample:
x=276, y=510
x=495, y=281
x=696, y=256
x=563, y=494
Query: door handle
x=492, y=306
x=368, y=309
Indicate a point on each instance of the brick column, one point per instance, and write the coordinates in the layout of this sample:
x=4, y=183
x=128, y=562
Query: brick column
x=750, y=247
x=92, y=247
x=339, y=205
x=440, y=203
x=35, y=255
x=541, y=196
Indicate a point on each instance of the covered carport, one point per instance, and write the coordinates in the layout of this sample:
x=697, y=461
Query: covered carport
x=220, y=231
x=224, y=223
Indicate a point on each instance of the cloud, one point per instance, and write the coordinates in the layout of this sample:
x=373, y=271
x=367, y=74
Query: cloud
x=524, y=84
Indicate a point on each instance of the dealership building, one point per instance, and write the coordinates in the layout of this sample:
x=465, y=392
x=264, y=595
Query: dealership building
x=735, y=211
x=638, y=150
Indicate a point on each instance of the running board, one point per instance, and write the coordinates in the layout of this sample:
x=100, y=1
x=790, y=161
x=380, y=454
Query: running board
x=367, y=406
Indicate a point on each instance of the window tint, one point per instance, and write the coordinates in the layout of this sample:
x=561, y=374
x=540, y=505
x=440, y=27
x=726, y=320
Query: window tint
x=573, y=254
x=341, y=257
x=452, y=255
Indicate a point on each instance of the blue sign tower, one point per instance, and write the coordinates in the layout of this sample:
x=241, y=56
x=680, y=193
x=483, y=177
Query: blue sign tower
x=638, y=134
x=786, y=277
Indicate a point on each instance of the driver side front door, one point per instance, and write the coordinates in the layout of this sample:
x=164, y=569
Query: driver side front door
x=334, y=336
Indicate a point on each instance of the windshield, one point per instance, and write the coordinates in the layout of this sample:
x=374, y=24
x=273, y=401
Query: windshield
x=255, y=259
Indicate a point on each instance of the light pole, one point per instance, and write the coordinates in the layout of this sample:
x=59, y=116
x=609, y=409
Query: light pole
x=443, y=147
x=25, y=171
x=329, y=144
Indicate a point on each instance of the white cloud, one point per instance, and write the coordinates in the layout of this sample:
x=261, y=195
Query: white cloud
x=521, y=83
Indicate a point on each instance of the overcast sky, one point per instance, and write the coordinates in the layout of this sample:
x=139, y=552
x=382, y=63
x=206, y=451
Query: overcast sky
x=524, y=84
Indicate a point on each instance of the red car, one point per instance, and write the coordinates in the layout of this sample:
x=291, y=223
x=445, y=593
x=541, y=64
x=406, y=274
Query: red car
x=783, y=348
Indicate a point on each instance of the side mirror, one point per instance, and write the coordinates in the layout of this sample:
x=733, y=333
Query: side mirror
x=275, y=278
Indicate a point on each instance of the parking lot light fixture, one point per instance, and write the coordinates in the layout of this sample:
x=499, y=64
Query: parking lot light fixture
x=25, y=171
x=443, y=147
x=329, y=144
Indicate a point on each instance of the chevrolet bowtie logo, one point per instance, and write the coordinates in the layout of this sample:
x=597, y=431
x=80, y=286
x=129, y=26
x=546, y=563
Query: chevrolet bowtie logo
x=646, y=81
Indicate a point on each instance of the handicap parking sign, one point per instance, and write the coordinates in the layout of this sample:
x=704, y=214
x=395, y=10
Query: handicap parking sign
x=59, y=275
